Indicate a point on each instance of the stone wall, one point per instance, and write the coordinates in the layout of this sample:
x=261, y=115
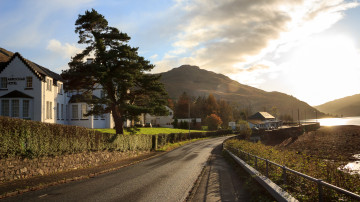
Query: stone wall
x=19, y=168
x=274, y=137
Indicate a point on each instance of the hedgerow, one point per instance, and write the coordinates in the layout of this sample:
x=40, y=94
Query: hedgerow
x=33, y=139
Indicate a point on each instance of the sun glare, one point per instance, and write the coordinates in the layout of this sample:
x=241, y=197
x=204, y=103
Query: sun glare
x=322, y=68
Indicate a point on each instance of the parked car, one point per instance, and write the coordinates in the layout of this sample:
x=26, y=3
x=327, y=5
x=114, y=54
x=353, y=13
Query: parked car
x=148, y=125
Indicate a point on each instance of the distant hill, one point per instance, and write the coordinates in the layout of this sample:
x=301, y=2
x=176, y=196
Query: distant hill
x=199, y=82
x=347, y=106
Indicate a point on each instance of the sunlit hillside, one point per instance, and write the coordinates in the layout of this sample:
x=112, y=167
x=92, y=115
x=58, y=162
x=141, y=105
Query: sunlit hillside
x=347, y=106
x=198, y=82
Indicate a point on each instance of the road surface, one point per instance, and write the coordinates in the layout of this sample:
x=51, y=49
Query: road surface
x=168, y=177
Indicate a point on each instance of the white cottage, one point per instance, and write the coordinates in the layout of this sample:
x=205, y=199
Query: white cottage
x=30, y=91
x=160, y=121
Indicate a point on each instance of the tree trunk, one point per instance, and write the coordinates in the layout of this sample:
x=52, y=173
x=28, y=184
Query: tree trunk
x=118, y=120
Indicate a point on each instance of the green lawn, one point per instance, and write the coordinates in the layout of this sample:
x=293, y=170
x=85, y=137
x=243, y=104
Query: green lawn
x=152, y=131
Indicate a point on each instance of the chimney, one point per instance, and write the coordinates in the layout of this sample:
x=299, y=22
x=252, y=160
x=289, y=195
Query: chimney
x=89, y=60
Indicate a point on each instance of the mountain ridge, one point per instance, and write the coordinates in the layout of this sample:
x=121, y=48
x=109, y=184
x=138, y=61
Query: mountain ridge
x=346, y=106
x=199, y=82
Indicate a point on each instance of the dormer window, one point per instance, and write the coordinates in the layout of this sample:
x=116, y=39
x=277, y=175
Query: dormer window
x=48, y=84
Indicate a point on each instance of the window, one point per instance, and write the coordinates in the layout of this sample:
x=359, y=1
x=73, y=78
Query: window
x=48, y=84
x=62, y=111
x=29, y=82
x=50, y=110
x=57, y=110
x=60, y=88
x=96, y=117
x=15, y=108
x=83, y=111
x=47, y=109
x=5, y=108
x=26, y=108
x=74, y=110
x=3, y=82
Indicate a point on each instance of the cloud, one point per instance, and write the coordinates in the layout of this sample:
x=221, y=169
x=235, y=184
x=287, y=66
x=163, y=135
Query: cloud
x=153, y=57
x=232, y=36
x=66, y=51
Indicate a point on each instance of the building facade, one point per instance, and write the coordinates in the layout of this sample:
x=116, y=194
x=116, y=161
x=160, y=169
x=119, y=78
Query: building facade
x=30, y=91
x=160, y=121
x=263, y=120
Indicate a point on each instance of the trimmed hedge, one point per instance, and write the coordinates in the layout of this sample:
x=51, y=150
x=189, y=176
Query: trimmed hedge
x=32, y=139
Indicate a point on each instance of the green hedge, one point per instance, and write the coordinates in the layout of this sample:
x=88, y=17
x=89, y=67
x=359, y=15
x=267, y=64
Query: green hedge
x=26, y=138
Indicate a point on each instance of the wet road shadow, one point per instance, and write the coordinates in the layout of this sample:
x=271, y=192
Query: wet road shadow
x=219, y=181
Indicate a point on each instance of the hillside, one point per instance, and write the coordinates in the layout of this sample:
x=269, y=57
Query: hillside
x=347, y=106
x=200, y=82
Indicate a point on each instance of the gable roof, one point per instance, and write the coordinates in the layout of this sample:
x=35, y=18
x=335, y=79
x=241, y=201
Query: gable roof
x=16, y=94
x=6, y=57
x=262, y=116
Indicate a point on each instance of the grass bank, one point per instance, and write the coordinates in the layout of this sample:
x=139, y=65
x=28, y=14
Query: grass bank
x=311, y=165
x=151, y=131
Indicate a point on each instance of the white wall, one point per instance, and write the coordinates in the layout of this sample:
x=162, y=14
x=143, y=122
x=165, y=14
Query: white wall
x=12, y=71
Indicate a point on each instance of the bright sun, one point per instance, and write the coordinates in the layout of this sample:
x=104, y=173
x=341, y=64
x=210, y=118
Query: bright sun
x=324, y=68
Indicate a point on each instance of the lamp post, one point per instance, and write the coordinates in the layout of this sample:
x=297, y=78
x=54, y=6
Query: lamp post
x=189, y=118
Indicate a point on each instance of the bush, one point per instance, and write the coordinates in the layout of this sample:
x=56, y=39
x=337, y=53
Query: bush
x=244, y=129
x=213, y=122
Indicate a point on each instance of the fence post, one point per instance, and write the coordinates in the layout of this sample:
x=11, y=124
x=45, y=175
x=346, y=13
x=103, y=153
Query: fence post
x=320, y=190
x=267, y=168
x=284, y=175
x=256, y=162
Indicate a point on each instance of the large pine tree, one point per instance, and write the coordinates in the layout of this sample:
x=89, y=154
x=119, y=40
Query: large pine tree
x=117, y=68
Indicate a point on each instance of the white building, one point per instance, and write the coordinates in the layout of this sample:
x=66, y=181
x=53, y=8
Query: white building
x=160, y=121
x=30, y=91
x=263, y=120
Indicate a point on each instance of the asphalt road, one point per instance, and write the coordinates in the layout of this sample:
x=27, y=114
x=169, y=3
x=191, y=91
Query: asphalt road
x=168, y=177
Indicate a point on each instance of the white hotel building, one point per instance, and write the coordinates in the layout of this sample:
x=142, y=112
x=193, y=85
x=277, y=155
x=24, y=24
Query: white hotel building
x=30, y=91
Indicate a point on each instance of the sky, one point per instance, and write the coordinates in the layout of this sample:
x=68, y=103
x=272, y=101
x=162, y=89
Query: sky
x=309, y=49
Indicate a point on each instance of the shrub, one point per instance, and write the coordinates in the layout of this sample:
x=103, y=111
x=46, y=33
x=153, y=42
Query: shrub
x=244, y=128
x=213, y=122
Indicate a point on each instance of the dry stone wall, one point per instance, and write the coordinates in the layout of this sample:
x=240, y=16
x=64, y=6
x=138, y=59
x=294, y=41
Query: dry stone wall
x=19, y=168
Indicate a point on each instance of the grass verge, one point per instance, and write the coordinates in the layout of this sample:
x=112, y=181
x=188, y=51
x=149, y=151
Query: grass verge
x=171, y=146
x=151, y=131
x=300, y=188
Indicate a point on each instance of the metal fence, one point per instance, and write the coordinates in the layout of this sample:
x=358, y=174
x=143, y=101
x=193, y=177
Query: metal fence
x=320, y=183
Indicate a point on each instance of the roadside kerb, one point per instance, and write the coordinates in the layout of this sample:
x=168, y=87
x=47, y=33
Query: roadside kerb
x=277, y=192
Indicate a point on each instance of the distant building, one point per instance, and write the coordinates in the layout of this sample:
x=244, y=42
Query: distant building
x=232, y=125
x=160, y=121
x=263, y=120
x=195, y=122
